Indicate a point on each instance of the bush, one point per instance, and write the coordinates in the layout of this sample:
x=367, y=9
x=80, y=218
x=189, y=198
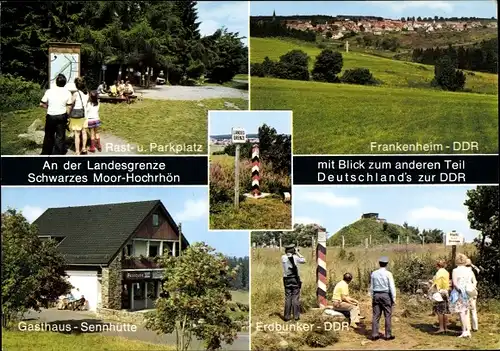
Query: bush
x=18, y=94
x=175, y=75
x=257, y=70
x=328, y=64
x=290, y=71
x=409, y=269
x=195, y=70
x=447, y=77
x=319, y=335
x=295, y=58
x=360, y=76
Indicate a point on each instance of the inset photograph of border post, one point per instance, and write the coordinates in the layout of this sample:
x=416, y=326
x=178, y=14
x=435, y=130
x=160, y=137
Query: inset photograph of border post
x=106, y=80
x=250, y=173
x=379, y=77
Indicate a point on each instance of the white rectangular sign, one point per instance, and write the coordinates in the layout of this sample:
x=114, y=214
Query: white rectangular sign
x=238, y=136
x=454, y=238
x=322, y=237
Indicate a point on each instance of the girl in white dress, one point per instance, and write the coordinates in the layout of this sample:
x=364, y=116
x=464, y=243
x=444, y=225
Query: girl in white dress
x=459, y=300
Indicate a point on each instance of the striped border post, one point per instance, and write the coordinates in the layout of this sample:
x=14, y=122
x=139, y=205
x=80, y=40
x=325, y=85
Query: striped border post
x=255, y=171
x=321, y=269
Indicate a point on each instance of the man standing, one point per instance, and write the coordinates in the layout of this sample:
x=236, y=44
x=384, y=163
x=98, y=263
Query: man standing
x=57, y=101
x=383, y=291
x=291, y=281
x=342, y=302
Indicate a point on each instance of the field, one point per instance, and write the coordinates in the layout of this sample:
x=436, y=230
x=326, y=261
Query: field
x=48, y=341
x=412, y=323
x=341, y=118
x=265, y=213
x=141, y=123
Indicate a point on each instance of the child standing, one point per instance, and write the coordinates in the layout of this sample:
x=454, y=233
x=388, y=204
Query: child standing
x=77, y=116
x=93, y=121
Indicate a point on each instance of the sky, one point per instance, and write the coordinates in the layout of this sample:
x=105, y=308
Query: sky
x=436, y=207
x=231, y=14
x=386, y=9
x=221, y=123
x=188, y=205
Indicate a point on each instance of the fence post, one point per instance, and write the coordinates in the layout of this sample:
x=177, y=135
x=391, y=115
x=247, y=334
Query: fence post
x=255, y=171
x=321, y=272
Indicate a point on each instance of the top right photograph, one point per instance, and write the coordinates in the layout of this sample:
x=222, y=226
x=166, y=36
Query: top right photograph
x=379, y=77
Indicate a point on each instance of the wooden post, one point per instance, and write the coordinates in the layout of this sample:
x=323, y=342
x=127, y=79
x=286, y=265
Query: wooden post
x=347, y=46
x=366, y=243
x=398, y=240
x=407, y=240
x=453, y=255
x=237, y=177
x=423, y=239
x=343, y=242
x=180, y=239
x=370, y=240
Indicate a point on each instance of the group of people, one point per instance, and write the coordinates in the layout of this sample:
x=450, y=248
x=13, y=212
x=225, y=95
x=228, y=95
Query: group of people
x=76, y=111
x=69, y=302
x=118, y=89
x=457, y=295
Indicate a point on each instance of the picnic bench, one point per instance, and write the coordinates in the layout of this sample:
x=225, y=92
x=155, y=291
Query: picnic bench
x=117, y=99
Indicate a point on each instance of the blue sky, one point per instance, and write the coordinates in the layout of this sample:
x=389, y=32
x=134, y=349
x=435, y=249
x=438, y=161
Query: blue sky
x=186, y=205
x=386, y=9
x=231, y=14
x=220, y=123
x=423, y=207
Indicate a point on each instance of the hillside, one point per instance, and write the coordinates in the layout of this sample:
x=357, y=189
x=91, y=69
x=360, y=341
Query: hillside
x=392, y=73
x=356, y=233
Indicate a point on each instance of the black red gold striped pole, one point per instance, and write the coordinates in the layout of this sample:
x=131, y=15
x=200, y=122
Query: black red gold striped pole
x=321, y=272
x=255, y=171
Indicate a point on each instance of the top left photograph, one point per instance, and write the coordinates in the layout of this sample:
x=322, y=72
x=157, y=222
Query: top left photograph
x=119, y=78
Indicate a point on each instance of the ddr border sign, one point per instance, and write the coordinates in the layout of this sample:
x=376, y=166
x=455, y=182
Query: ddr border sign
x=454, y=238
x=238, y=136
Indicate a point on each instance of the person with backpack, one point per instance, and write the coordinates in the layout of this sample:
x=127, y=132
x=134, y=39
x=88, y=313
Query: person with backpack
x=292, y=282
x=77, y=120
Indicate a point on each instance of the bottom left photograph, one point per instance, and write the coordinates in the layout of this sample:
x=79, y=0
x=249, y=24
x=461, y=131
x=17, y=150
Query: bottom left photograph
x=103, y=268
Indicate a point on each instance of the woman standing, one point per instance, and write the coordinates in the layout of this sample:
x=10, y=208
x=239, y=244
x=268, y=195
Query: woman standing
x=472, y=293
x=441, y=303
x=77, y=118
x=459, y=300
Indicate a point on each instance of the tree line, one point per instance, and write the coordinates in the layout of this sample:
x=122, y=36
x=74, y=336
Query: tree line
x=242, y=277
x=483, y=57
x=264, y=29
x=147, y=36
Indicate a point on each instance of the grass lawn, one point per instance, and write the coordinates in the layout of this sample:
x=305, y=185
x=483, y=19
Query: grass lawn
x=392, y=73
x=141, y=123
x=412, y=323
x=266, y=213
x=345, y=119
x=48, y=341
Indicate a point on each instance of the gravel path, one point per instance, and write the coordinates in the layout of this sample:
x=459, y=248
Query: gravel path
x=165, y=92
x=76, y=319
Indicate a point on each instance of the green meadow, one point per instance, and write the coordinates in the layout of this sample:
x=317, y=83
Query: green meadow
x=341, y=118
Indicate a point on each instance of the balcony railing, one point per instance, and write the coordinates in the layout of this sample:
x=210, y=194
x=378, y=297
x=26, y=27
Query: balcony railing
x=141, y=262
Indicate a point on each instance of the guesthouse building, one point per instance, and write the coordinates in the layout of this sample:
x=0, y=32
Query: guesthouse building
x=112, y=250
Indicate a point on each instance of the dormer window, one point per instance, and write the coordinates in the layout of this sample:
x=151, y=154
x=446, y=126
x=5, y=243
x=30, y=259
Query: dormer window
x=156, y=220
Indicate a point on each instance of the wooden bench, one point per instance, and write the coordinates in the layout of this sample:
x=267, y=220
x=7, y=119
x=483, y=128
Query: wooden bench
x=116, y=99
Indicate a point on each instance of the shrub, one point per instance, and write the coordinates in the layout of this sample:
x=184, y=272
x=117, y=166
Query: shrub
x=295, y=58
x=328, y=64
x=409, y=269
x=319, y=335
x=342, y=254
x=175, y=75
x=195, y=70
x=290, y=71
x=257, y=70
x=447, y=77
x=18, y=94
x=360, y=76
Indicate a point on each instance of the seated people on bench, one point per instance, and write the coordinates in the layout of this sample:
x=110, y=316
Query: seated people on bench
x=129, y=89
x=342, y=302
x=80, y=304
x=113, y=90
x=121, y=88
x=102, y=88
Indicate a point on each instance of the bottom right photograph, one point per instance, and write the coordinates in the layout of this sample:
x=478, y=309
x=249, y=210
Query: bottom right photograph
x=380, y=267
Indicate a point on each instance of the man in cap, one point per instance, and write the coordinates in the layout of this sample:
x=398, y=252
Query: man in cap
x=383, y=291
x=291, y=281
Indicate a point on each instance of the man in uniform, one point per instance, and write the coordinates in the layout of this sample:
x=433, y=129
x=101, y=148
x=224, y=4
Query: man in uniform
x=383, y=291
x=291, y=281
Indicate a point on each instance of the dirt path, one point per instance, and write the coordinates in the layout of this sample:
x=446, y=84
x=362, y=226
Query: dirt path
x=164, y=92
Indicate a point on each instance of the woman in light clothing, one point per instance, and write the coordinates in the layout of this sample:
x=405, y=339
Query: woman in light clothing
x=459, y=300
x=93, y=121
x=441, y=306
x=472, y=296
x=77, y=116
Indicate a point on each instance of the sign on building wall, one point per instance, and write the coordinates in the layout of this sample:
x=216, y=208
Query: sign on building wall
x=238, y=135
x=143, y=275
x=64, y=58
x=454, y=238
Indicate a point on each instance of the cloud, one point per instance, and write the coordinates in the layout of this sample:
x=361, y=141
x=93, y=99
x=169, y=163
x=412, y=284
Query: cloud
x=31, y=213
x=399, y=6
x=233, y=15
x=435, y=213
x=328, y=199
x=193, y=210
x=306, y=220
